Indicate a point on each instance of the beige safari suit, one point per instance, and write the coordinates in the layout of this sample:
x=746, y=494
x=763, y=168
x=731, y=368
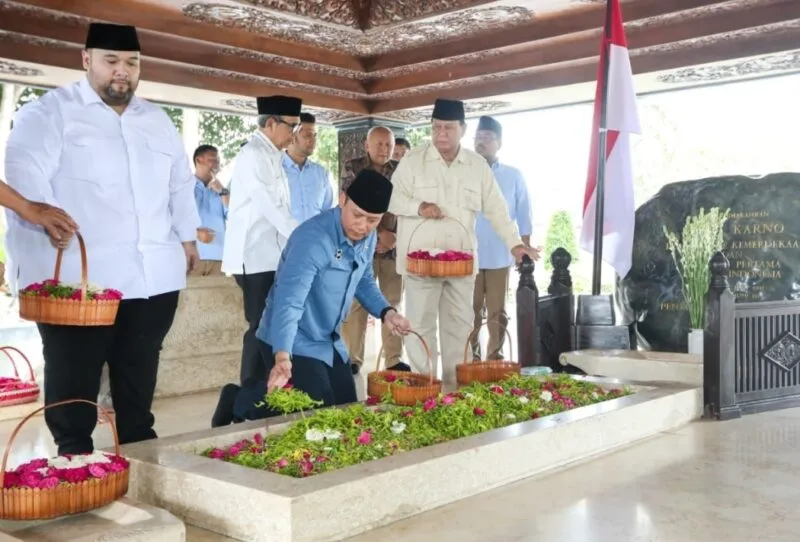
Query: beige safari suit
x=461, y=190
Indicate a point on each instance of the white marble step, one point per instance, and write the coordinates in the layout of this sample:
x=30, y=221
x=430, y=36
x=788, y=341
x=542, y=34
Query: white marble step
x=125, y=520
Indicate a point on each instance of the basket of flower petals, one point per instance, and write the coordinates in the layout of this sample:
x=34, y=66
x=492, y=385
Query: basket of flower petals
x=53, y=302
x=68, y=484
x=434, y=262
x=440, y=263
x=405, y=388
x=14, y=390
x=485, y=371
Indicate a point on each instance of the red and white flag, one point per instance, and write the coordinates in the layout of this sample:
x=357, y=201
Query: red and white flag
x=622, y=119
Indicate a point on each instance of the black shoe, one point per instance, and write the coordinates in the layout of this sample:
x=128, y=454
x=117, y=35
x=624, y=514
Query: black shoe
x=355, y=367
x=223, y=414
x=400, y=366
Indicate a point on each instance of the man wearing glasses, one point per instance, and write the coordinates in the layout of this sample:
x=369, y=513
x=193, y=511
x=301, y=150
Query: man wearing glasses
x=260, y=216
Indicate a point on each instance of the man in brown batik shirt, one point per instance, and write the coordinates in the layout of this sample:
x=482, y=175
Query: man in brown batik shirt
x=379, y=147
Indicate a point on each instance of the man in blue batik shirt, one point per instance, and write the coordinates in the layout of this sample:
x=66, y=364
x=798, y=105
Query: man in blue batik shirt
x=494, y=260
x=212, y=205
x=327, y=263
x=309, y=183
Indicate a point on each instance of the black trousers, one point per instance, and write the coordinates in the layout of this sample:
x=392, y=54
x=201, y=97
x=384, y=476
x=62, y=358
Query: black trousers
x=332, y=385
x=255, y=289
x=73, y=362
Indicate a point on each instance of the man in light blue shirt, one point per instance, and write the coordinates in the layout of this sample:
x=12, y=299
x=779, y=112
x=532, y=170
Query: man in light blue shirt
x=310, y=188
x=212, y=205
x=494, y=260
x=327, y=263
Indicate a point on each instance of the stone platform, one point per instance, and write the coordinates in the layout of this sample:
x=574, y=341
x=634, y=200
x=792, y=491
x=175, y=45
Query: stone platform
x=259, y=506
x=125, y=520
x=203, y=349
x=638, y=366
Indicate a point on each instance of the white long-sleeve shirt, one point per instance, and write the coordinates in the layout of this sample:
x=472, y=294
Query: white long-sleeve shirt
x=259, y=214
x=125, y=179
x=461, y=189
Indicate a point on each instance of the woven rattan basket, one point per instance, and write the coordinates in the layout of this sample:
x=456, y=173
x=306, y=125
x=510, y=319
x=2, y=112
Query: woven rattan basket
x=64, y=499
x=408, y=389
x=16, y=391
x=485, y=371
x=438, y=268
x=69, y=312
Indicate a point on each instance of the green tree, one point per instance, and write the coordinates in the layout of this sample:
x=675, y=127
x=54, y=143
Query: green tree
x=175, y=114
x=418, y=135
x=560, y=233
x=327, y=151
x=226, y=132
x=28, y=95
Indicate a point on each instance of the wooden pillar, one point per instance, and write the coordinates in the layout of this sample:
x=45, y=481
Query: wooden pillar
x=719, y=400
x=527, y=311
x=352, y=135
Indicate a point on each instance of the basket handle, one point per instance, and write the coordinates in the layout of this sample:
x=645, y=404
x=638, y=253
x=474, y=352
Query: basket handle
x=476, y=330
x=84, y=264
x=425, y=220
x=427, y=356
x=24, y=420
x=6, y=349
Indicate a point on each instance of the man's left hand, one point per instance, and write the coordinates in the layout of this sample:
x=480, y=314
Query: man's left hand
x=192, y=256
x=397, y=323
x=521, y=251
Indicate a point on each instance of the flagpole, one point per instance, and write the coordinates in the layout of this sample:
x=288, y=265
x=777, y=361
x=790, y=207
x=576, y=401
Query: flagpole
x=600, y=189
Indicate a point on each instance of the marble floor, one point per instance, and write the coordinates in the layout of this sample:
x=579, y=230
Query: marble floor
x=733, y=481
x=737, y=481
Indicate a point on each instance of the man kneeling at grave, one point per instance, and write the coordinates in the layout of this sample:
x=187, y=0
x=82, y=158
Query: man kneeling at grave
x=326, y=263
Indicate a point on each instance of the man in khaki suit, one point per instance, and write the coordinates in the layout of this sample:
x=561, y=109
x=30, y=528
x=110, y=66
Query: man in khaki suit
x=441, y=187
x=379, y=145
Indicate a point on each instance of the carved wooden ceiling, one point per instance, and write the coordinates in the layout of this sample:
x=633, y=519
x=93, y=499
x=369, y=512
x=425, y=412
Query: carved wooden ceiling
x=391, y=58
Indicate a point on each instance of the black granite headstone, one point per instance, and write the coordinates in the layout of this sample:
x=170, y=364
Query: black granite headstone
x=762, y=242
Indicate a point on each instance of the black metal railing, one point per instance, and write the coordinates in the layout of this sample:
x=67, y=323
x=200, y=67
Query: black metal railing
x=751, y=351
x=545, y=325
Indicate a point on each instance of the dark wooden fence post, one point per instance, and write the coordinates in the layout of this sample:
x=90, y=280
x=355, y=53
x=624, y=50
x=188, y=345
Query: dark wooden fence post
x=527, y=313
x=719, y=399
x=560, y=280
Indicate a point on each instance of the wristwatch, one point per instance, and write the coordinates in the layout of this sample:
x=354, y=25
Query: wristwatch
x=385, y=311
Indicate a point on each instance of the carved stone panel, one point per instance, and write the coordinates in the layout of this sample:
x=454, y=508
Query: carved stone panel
x=784, y=352
x=351, y=145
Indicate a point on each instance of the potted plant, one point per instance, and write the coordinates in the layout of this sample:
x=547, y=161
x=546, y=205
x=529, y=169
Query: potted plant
x=701, y=237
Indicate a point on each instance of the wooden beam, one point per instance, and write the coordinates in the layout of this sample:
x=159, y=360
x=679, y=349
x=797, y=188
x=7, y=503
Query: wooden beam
x=547, y=26
x=159, y=18
x=585, y=45
x=766, y=40
x=183, y=50
x=171, y=73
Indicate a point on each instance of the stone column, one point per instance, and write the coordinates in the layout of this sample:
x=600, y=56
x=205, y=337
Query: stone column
x=353, y=134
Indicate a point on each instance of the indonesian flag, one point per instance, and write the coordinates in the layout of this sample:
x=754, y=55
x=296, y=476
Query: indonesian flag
x=621, y=119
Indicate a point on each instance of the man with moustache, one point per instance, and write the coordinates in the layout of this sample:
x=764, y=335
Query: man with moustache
x=379, y=146
x=446, y=185
x=117, y=165
x=310, y=188
x=260, y=216
x=491, y=284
